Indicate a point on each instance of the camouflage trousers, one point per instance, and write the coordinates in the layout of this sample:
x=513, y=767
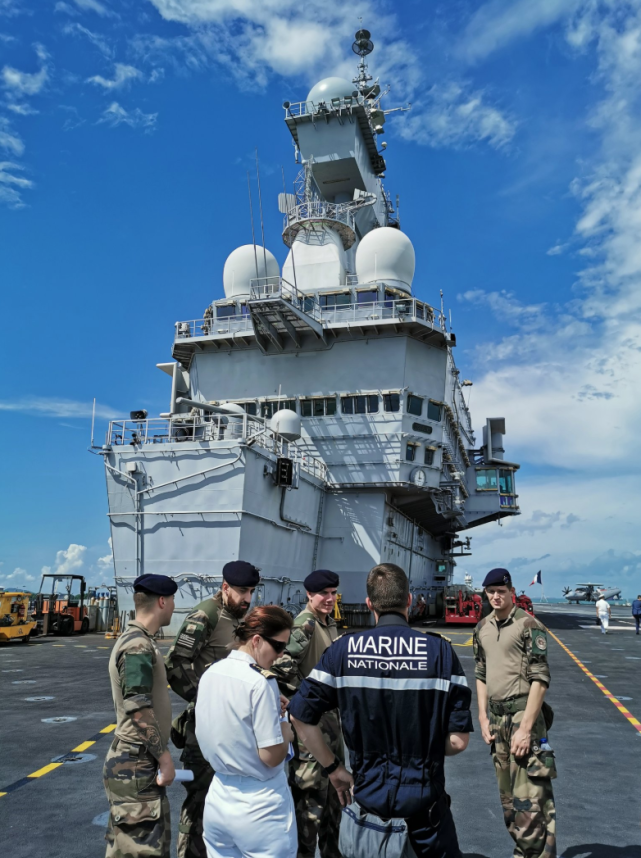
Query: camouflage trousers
x=139, y=821
x=190, y=828
x=525, y=787
x=318, y=810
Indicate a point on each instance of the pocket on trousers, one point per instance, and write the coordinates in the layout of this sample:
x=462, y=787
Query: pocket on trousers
x=541, y=764
x=145, y=777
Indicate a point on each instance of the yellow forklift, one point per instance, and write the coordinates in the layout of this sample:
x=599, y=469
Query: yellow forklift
x=15, y=623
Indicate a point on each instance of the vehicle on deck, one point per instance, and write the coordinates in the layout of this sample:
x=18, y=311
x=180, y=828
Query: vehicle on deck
x=14, y=621
x=590, y=593
x=59, y=611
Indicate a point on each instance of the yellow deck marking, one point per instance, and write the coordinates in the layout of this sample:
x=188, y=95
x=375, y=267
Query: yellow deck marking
x=2, y=793
x=44, y=770
x=80, y=646
x=630, y=717
x=103, y=647
x=109, y=729
x=58, y=644
x=82, y=747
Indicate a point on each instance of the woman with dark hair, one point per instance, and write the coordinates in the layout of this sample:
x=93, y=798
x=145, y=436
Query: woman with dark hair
x=249, y=812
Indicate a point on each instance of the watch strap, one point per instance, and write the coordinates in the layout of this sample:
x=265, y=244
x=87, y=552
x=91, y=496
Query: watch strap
x=331, y=768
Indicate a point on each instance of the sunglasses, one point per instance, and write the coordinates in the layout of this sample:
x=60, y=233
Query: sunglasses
x=278, y=646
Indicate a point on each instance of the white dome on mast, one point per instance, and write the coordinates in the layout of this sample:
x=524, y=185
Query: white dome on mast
x=386, y=255
x=244, y=264
x=328, y=88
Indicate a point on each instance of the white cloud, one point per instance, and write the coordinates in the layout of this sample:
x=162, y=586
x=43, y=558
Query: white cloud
x=557, y=249
x=123, y=75
x=67, y=560
x=100, y=42
x=22, y=109
x=452, y=114
x=18, y=574
x=106, y=563
x=115, y=115
x=10, y=187
x=94, y=6
x=51, y=407
x=9, y=140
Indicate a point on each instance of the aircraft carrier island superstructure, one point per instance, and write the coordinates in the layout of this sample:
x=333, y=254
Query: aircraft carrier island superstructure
x=316, y=416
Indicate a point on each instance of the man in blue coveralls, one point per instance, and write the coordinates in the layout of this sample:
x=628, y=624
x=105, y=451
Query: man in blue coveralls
x=404, y=704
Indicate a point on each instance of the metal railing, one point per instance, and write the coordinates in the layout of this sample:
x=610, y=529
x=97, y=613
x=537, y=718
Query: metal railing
x=213, y=327
x=403, y=309
x=211, y=427
x=319, y=210
x=333, y=105
x=277, y=287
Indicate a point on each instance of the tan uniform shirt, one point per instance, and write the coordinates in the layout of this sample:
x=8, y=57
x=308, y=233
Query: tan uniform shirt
x=322, y=637
x=510, y=654
x=139, y=681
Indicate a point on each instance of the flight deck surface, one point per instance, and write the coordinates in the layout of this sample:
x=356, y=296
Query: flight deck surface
x=54, y=810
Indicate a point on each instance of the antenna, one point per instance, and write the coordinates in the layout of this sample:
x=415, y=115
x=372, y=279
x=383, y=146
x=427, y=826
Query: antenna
x=93, y=419
x=251, y=214
x=398, y=210
x=260, y=206
x=362, y=46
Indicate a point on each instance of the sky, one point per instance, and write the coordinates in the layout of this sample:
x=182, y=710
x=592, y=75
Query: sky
x=126, y=131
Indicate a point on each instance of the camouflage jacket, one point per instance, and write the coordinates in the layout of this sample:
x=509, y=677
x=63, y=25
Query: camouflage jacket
x=308, y=641
x=203, y=639
x=511, y=654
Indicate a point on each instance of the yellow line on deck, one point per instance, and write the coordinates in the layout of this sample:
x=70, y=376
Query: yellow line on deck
x=82, y=747
x=629, y=716
x=109, y=729
x=44, y=770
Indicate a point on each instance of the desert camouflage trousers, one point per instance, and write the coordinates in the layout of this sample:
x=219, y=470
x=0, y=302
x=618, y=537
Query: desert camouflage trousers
x=190, y=828
x=525, y=787
x=139, y=822
x=318, y=810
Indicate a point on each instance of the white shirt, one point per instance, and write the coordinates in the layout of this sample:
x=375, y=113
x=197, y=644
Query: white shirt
x=602, y=607
x=238, y=712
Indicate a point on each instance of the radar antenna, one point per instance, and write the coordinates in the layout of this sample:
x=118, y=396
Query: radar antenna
x=362, y=46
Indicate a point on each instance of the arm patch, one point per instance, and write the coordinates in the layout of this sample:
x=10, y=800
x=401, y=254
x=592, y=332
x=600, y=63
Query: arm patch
x=539, y=642
x=137, y=675
x=190, y=636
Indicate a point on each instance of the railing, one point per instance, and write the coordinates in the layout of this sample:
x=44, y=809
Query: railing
x=277, y=287
x=334, y=105
x=211, y=427
x=211, y=327
x=403, y=309
x=319, y=210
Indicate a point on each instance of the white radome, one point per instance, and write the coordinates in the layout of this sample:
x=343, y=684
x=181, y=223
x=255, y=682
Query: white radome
x=240, y=269
x=386, y=255
x=286, y=423
x=328, y=88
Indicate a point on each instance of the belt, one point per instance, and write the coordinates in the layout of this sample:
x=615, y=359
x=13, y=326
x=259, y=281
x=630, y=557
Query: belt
x=135, y=749
x=508, y=706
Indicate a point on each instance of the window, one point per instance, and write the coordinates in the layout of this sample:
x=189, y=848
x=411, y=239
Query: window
x=506, y=482
x=441, y=572
x=335, y=300
x=227, y=310
x=318, y=407
x=359, y=404
x=391, y=401
x=429, y=456
x=308, y=304
x=268, y=409
x=410, y=452
x=367, y=296
x=422, y=427
x=486, y=480
x=414, y=404
x=244, y=310
x=250, y=407
x=507, y=500
x=433, y=411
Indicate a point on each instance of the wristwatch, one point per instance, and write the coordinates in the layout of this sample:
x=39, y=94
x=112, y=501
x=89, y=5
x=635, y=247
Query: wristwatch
x=331, y=768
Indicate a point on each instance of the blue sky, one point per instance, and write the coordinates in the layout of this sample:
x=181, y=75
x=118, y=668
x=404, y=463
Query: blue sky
x=126, y=130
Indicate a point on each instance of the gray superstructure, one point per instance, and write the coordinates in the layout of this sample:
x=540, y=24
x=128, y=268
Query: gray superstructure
x=331, y=365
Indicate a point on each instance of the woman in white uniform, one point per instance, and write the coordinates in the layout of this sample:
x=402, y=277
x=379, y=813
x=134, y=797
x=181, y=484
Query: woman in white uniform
x=249, y=812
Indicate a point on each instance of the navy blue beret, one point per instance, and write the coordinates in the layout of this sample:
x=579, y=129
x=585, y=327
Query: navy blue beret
x=238, y=573
x=498, y=577
x=158, y=585
x=320, y=579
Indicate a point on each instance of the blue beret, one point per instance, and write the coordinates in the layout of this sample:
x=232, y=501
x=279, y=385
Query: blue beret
x=320, y=579
x=498, y=577
x=238, y=573
x=158, y=585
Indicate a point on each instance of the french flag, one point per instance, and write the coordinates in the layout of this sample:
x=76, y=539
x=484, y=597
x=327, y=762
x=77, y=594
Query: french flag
x=537, y=578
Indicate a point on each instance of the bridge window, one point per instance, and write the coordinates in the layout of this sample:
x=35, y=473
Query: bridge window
x=506, y=482
x=433, y=411
x=324, y=406
x=391, y=402
x=359, y=404
x=268, y=409
x=249, y=407
x=486, y=480
x=367, y=296
x=414, y=404
x=410, y=452
x=227, y=310
x=336, y=299
x=429, y=456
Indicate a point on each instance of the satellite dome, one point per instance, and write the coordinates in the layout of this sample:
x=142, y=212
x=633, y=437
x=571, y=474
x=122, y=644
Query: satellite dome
x=287, y=424
x=240, y=268
x=386, y=255
x=330, y=87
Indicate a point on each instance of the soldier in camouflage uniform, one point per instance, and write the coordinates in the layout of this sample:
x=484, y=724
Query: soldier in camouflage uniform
x=138, y=765
x=204, y=638
x=512, y=676
x=318, y=809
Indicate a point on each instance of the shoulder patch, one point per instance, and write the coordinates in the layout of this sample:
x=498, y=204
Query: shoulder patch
x=263, y=671
x=539, y=642
x=190, y=635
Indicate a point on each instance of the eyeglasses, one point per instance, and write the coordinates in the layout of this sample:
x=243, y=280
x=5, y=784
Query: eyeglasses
x=278, y=646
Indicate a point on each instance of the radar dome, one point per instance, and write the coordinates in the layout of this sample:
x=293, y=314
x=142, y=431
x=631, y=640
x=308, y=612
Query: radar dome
x=240, y=268
x=330, y=87
x=287, y=424
x=386, y=255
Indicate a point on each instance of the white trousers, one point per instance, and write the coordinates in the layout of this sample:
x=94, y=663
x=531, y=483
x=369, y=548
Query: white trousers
x=605, y=622
x=248, y=818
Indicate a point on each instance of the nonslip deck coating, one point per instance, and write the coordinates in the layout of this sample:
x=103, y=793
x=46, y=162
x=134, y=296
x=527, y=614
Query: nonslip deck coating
x=597, y=744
